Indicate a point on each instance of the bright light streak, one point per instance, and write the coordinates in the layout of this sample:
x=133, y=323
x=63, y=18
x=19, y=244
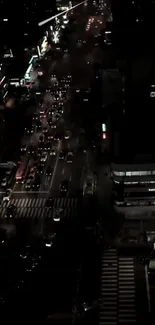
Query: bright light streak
x=39, y=53
x=2, y=80
x=5, y=94
x=61, y=13
x=28, y=71
x=32, y=58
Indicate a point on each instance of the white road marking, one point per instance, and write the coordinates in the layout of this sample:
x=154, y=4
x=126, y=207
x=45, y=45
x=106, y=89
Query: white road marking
x=55, y=167
x=147, y=289
x=70, y=178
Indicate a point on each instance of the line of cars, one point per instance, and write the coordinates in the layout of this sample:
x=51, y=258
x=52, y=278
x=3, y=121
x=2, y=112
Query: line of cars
x=45, y=122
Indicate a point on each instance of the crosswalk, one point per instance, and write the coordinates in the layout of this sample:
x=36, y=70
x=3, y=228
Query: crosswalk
x=117, y=289
x=36, y=207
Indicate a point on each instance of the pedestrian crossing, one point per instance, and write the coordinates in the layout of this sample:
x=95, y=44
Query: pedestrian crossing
x=117, y=289
x=127, y=291
x=36, y=207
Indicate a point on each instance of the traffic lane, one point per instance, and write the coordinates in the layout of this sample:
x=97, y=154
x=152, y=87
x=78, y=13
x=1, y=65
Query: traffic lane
x=77, y=172
x=52, y=161
x=59, y=176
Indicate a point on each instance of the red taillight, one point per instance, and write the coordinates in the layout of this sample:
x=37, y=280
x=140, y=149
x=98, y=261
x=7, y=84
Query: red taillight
x=104, y=136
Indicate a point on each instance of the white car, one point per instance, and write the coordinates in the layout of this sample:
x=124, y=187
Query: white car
x=44, y=157
x=57, y=215
x=67, y=135
x=50, y=240
x=7, y=195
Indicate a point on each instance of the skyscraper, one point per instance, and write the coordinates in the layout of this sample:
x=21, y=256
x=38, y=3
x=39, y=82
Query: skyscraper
x=19, y=22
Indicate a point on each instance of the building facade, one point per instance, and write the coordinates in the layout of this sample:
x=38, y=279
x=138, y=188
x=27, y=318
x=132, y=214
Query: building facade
x=133, y=188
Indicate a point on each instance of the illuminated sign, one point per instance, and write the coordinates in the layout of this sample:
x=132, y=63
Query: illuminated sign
x=104, y=136
x=33, y=57
x=104, y=129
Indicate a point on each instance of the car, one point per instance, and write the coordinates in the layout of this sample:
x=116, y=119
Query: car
x=7, y=195
x=49, y=202
x=42, y=138
x=40, y=169
x=4, y=182
x=53, y=126
x=23, y=148
x=42, y=110
x=40, y=147
x=31, y=149
x=44, y=157
x=50, y=136
x=49, y=171
x=50, y=113
x=89, y=187
x=47, y=146
x=56, y=137
x=54, y=105
x=53, y=152
x=67, y=135
x=45, y=129
x=38, y=125
x=10, y=210
x=35, y=117
x=64, y=186
x=28, y=183
x=62, y=155
x=58, y=214
x=50, y=240
x=69, y=157
x=36, y=183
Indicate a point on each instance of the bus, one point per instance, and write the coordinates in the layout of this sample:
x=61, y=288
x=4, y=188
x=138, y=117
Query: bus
x=20, y=174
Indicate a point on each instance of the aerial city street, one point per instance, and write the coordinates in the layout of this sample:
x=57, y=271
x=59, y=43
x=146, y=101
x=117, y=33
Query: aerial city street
x=77, y=203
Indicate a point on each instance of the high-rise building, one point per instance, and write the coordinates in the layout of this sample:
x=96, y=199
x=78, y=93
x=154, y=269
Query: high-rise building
x=133, y=22
x=63, y=5
x=133, y=167
x=131, y=13
x=19, y=22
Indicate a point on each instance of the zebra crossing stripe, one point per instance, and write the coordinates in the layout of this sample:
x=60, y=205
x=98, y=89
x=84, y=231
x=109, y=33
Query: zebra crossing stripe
x=35, y=207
